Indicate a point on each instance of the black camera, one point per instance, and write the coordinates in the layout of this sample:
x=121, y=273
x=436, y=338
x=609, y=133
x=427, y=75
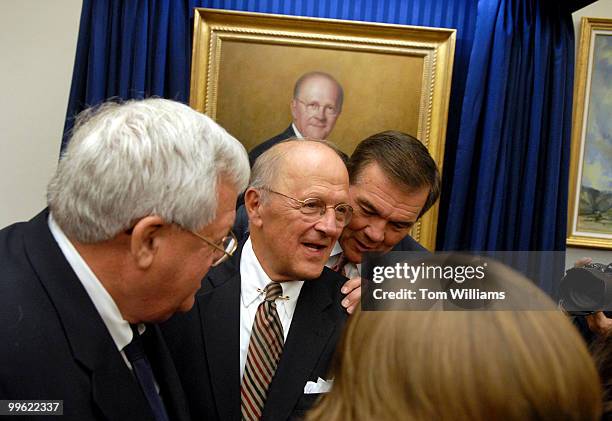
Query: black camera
x=587, y=289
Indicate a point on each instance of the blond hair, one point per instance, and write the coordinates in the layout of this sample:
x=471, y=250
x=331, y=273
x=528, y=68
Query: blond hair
x=462, y=365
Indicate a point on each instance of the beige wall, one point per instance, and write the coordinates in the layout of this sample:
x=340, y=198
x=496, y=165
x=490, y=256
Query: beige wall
x=599, y=9
x=38, y=44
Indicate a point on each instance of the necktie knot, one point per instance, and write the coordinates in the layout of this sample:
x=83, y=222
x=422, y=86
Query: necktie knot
x=134, y=350
x=273, y=291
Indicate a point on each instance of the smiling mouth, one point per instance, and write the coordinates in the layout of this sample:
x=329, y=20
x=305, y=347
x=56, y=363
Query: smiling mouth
x=363, y=246
x=315, y=246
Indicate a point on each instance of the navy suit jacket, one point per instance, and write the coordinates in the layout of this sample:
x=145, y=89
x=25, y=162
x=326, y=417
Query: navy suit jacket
x=206, y=345
x=54, y=344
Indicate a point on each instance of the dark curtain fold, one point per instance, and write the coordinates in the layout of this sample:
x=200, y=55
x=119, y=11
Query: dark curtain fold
x=508, y=186
x=131, y=49
x=507, y=146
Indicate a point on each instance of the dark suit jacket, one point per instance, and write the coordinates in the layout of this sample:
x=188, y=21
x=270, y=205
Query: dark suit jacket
x=54, y=345
x=262, y=147
x=241, y=229
x=205, y=343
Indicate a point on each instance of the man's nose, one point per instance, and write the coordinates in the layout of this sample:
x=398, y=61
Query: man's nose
x=375, y=231
x=327, y=223
x=320, y=113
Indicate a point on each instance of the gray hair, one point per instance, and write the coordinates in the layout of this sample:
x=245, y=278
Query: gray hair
x=140, y=158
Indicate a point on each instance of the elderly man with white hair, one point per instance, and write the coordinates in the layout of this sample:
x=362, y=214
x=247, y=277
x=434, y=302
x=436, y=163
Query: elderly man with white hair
x=139, y=209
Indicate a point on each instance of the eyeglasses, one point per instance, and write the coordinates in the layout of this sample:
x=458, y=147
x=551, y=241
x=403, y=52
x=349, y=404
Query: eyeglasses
x=227, y=246
x=316, y=208
x=314, y=107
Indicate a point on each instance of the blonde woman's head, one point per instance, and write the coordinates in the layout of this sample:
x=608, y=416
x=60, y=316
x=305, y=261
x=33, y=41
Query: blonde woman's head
x=463, y=365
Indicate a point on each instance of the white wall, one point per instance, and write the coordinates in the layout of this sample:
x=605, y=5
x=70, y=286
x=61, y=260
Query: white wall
x=599, y=9
x=38, y=45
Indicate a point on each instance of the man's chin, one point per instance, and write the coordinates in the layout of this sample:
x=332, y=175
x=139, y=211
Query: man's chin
x=317, y=134
x=186, y=305
x=306, y=273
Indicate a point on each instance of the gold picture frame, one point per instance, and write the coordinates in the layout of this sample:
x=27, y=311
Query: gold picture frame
x=395, y=77
x=590, y=190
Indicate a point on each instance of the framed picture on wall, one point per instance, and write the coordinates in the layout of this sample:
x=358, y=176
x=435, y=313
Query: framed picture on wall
x=394, y=77
x=590, y=199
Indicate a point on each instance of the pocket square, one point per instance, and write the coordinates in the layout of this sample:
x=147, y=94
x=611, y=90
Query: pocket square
x=321, y=386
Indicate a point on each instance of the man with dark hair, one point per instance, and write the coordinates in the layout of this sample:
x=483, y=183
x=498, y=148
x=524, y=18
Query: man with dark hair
x=315, y=107
x=394, y=181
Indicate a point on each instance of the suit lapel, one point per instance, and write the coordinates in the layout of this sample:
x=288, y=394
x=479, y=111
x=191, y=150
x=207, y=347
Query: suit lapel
x=311, y=328
x=114, y=389
x=219, y=311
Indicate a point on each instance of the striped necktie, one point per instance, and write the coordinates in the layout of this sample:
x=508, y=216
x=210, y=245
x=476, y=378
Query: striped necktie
x=265, y=348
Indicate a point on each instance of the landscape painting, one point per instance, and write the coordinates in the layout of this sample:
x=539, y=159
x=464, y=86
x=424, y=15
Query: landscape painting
x=592, y=217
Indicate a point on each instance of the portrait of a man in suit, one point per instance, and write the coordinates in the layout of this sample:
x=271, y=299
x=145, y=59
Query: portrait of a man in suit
x=315, y=107
x=266, y=322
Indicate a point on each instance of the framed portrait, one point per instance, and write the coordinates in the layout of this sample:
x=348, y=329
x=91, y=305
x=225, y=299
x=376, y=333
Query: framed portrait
x=590, y=195
x=394, y=77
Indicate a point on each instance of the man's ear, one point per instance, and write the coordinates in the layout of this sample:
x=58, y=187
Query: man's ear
x=144, y=241
x=253, y=206
x=293, y=107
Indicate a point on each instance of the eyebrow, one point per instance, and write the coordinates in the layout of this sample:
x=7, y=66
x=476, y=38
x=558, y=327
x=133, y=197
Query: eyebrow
x=364, y=203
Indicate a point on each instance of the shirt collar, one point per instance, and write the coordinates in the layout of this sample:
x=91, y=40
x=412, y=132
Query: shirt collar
x=296, y=131
x=254, y=279
x=351, y=268
x=336, y=250
x=118, y=328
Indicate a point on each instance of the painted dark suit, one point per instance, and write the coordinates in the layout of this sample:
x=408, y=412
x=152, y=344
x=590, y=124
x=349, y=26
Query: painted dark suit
x=262, y=147
x=206, y=341
x=54, y=344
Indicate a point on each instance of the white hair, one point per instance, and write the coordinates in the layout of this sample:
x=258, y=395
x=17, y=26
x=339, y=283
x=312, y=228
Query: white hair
x=140, y=158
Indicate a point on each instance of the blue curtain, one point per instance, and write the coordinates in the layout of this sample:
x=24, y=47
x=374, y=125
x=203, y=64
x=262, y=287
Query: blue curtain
x=506, y=165
x=139, y=48
x=507, y=186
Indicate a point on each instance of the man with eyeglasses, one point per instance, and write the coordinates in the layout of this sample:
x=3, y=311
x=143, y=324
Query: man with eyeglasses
x=140, y=207
x=315, y=107
x=260, y=339
x=393, y=182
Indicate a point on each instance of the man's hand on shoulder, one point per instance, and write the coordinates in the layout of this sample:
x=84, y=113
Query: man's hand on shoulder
x=352, y=290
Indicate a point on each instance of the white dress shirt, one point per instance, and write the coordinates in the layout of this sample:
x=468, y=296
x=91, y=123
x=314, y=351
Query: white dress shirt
x=253, y=281
x=118, y=328
x=351, y=269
